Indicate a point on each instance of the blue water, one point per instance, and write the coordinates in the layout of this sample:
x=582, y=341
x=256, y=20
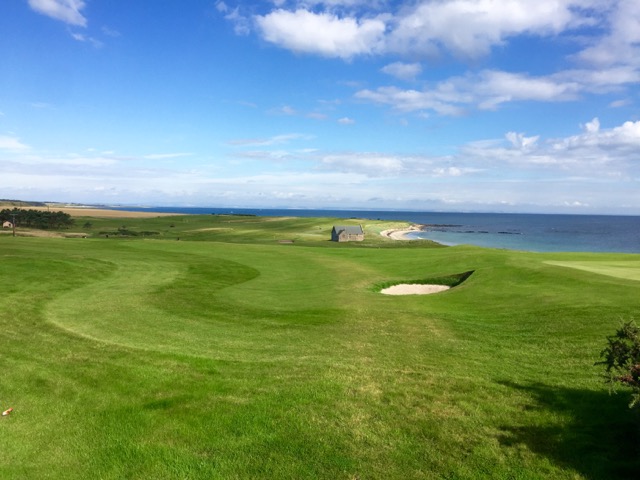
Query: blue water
x=530, y=232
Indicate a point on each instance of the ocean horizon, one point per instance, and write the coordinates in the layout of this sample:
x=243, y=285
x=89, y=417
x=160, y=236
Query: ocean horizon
x=535, y=232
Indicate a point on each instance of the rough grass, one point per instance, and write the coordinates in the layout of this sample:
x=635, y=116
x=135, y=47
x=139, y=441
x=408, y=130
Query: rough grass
x=227, y=355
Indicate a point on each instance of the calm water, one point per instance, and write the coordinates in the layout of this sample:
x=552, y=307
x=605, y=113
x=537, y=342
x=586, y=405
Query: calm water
x=531, y=232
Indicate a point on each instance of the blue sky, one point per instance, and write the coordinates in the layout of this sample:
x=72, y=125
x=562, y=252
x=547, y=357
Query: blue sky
x=435, y=105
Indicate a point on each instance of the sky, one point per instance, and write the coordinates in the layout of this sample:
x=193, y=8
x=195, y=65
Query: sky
x=432, y=105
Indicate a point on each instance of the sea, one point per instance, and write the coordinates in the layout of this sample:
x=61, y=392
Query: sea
x=512, y=231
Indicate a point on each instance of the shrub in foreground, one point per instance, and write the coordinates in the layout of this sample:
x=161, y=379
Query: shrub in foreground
x=621, y=359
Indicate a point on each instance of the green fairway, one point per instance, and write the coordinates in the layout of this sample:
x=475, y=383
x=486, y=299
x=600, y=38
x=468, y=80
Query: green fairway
x=232, y=355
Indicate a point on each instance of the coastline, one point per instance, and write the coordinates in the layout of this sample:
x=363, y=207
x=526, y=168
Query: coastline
x=400, y=234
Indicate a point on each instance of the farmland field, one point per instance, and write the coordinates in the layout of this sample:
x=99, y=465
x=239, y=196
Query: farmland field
x=239, y=347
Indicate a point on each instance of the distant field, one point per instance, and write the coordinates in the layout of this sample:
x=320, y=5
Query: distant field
x=90, y=211
x=235, y=347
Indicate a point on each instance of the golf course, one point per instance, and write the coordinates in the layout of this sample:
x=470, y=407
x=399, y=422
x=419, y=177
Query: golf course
x=243, y=347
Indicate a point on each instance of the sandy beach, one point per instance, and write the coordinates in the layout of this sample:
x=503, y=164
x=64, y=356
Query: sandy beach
x=400, y=234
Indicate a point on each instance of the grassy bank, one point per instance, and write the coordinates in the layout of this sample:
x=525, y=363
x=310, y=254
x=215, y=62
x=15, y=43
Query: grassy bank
x=234, y=353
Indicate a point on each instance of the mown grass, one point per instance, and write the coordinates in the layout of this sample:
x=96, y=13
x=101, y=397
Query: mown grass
x=229, y=355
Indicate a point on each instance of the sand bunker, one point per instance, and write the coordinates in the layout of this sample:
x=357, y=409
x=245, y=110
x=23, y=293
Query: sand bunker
x=414, y=289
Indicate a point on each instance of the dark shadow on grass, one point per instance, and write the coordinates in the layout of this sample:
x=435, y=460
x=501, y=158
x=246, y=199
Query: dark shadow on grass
x=595, y=433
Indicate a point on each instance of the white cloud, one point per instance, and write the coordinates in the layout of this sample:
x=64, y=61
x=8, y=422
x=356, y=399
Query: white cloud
x=467, y=28
x=620, y=144
x=163, y=156
x=317, y=115
x=275, y=140
x=470, y=28
x=369, y=164
x=620, y=103
x=485, y=90
x=321, y=33
x=86, y=38
x=441, y=100
x=346, y=121
x=241, y=24
x=621, y=44
x=593, y=126
x=453, y=171
x=403, y=71
x=518, y=140
x=68, y=11
x=599, y=167
x=12, y=144
x=110, y=32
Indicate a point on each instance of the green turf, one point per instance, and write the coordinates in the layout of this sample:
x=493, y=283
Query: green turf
x=230, y=355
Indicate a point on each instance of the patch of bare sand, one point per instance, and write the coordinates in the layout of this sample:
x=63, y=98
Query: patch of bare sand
x=399, y=234
x=414, y=289
x=100, y=212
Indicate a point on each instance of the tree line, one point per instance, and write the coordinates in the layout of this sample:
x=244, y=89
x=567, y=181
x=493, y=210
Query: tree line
x=41, y=219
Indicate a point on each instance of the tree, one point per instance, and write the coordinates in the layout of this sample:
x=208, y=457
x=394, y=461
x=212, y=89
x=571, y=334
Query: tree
x=37, y=218
x=621, y=359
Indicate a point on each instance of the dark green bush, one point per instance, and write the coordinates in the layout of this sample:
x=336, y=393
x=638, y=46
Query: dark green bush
x=621, y=359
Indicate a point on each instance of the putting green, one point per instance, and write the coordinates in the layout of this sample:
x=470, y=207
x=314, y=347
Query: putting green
x=619, y=269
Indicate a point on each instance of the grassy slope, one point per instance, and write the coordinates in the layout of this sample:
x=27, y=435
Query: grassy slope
x=236, y=357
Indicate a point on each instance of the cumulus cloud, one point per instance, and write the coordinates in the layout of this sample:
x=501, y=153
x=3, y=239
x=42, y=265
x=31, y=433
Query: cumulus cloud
x=616, y=142
x=67, y=11
x=321, y=33
x=466, y=28
x=621, y=43
x=605, y=35
x=593, y=126
x=470, y=28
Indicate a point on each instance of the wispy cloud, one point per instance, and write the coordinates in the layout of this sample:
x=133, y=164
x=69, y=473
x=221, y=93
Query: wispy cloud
x=346, y=121
x=587, y=170
x=164, y=156
x=403, y=71
x=110, y=32
x=80, y=37
x=490, y=89
x=263, y=142
x=67, y=11
x=12, y=144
